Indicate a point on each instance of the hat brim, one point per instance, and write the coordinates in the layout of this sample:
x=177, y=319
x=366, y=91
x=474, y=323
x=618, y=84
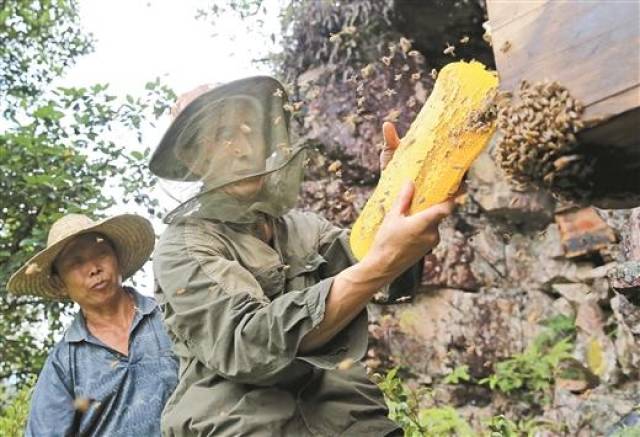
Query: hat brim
x=164, y=162
x=133, y=239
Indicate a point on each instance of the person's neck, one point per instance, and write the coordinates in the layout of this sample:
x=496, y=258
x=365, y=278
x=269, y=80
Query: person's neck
x=264, y=229
x=118, y=312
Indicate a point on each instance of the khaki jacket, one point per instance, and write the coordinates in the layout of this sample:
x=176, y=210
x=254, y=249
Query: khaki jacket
x=237, y=310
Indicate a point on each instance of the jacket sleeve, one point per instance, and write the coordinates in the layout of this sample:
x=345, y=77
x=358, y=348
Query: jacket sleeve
x=335, y=248
x=217, y=308
x=52, y=412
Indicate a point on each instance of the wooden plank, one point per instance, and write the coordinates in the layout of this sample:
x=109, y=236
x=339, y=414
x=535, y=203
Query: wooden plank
x=626, y=99
x=615, y=132
x=502, y=12
x=592, y=48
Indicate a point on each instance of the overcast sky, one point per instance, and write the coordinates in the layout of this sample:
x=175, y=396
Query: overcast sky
x=138, y=40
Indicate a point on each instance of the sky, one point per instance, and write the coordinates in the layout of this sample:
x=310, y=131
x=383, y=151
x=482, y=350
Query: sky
x=137, y=41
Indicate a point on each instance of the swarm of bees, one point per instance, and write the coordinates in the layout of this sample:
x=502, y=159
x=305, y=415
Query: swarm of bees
x=538, y=146
x=335, y=166
x=485, y=118
x=449, y=50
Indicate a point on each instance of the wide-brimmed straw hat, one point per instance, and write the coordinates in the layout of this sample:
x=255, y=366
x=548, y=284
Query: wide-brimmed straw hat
x=132, y=237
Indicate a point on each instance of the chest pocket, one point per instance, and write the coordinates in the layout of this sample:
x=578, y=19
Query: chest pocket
x=304, y=272
x=272, y=280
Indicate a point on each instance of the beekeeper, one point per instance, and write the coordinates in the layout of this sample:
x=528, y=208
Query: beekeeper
x=265, y=302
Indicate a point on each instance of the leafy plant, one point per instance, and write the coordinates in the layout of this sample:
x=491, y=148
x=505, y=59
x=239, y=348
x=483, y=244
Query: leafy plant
x=13, y=418
x=443, y=421
x=403, y=403
x=533, y=371
x=501, y=426
x=460, y=373
x=405, y=410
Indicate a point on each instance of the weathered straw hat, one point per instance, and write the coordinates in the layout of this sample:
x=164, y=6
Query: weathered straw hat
x=132, y=237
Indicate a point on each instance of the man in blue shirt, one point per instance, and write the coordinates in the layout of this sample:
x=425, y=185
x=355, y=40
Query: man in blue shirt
x=114, y=369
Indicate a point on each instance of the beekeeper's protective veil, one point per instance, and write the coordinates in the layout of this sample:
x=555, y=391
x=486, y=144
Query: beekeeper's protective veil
x=227, y=154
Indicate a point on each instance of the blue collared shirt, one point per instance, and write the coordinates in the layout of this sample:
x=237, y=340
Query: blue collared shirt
x=121, y=395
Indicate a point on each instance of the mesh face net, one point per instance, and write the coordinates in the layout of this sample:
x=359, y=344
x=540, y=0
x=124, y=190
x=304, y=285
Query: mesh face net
x=227, y=155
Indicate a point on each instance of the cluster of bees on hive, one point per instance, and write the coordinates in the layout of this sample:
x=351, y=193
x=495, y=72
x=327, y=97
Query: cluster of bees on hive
x=537, y=145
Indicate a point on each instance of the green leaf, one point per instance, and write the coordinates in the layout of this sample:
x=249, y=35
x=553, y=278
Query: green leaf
x=48, y=112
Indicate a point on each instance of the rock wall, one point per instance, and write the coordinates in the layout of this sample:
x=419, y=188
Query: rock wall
x=501, y=270
x=508, y=260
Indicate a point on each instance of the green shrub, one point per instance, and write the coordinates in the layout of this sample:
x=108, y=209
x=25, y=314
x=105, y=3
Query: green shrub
x=460, y=373
x=443, y=421
x=533, y=371
x=530, y=373
x=13, y=417
x=405, y=410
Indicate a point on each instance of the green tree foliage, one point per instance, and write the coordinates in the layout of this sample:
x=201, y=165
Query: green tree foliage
x=13, y=418
x=61, y=150
x=39, y=39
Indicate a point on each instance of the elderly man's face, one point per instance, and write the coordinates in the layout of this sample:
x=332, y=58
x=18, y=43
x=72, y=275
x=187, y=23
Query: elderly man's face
x=88, y=267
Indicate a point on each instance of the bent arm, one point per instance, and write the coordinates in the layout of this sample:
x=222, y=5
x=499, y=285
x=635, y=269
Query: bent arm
x=350, y=292
x=219, y=311
x=401, y=241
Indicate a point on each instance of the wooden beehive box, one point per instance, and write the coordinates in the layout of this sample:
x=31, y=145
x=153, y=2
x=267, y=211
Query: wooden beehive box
x=593, y=49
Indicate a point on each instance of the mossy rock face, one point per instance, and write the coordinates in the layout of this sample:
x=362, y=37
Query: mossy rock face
x=447, y=328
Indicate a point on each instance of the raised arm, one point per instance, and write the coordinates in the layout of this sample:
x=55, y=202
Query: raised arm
x=401, y=241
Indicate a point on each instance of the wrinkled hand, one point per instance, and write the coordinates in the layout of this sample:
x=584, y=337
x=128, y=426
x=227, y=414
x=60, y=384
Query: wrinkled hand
x=391, y=142
x=403, y=239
